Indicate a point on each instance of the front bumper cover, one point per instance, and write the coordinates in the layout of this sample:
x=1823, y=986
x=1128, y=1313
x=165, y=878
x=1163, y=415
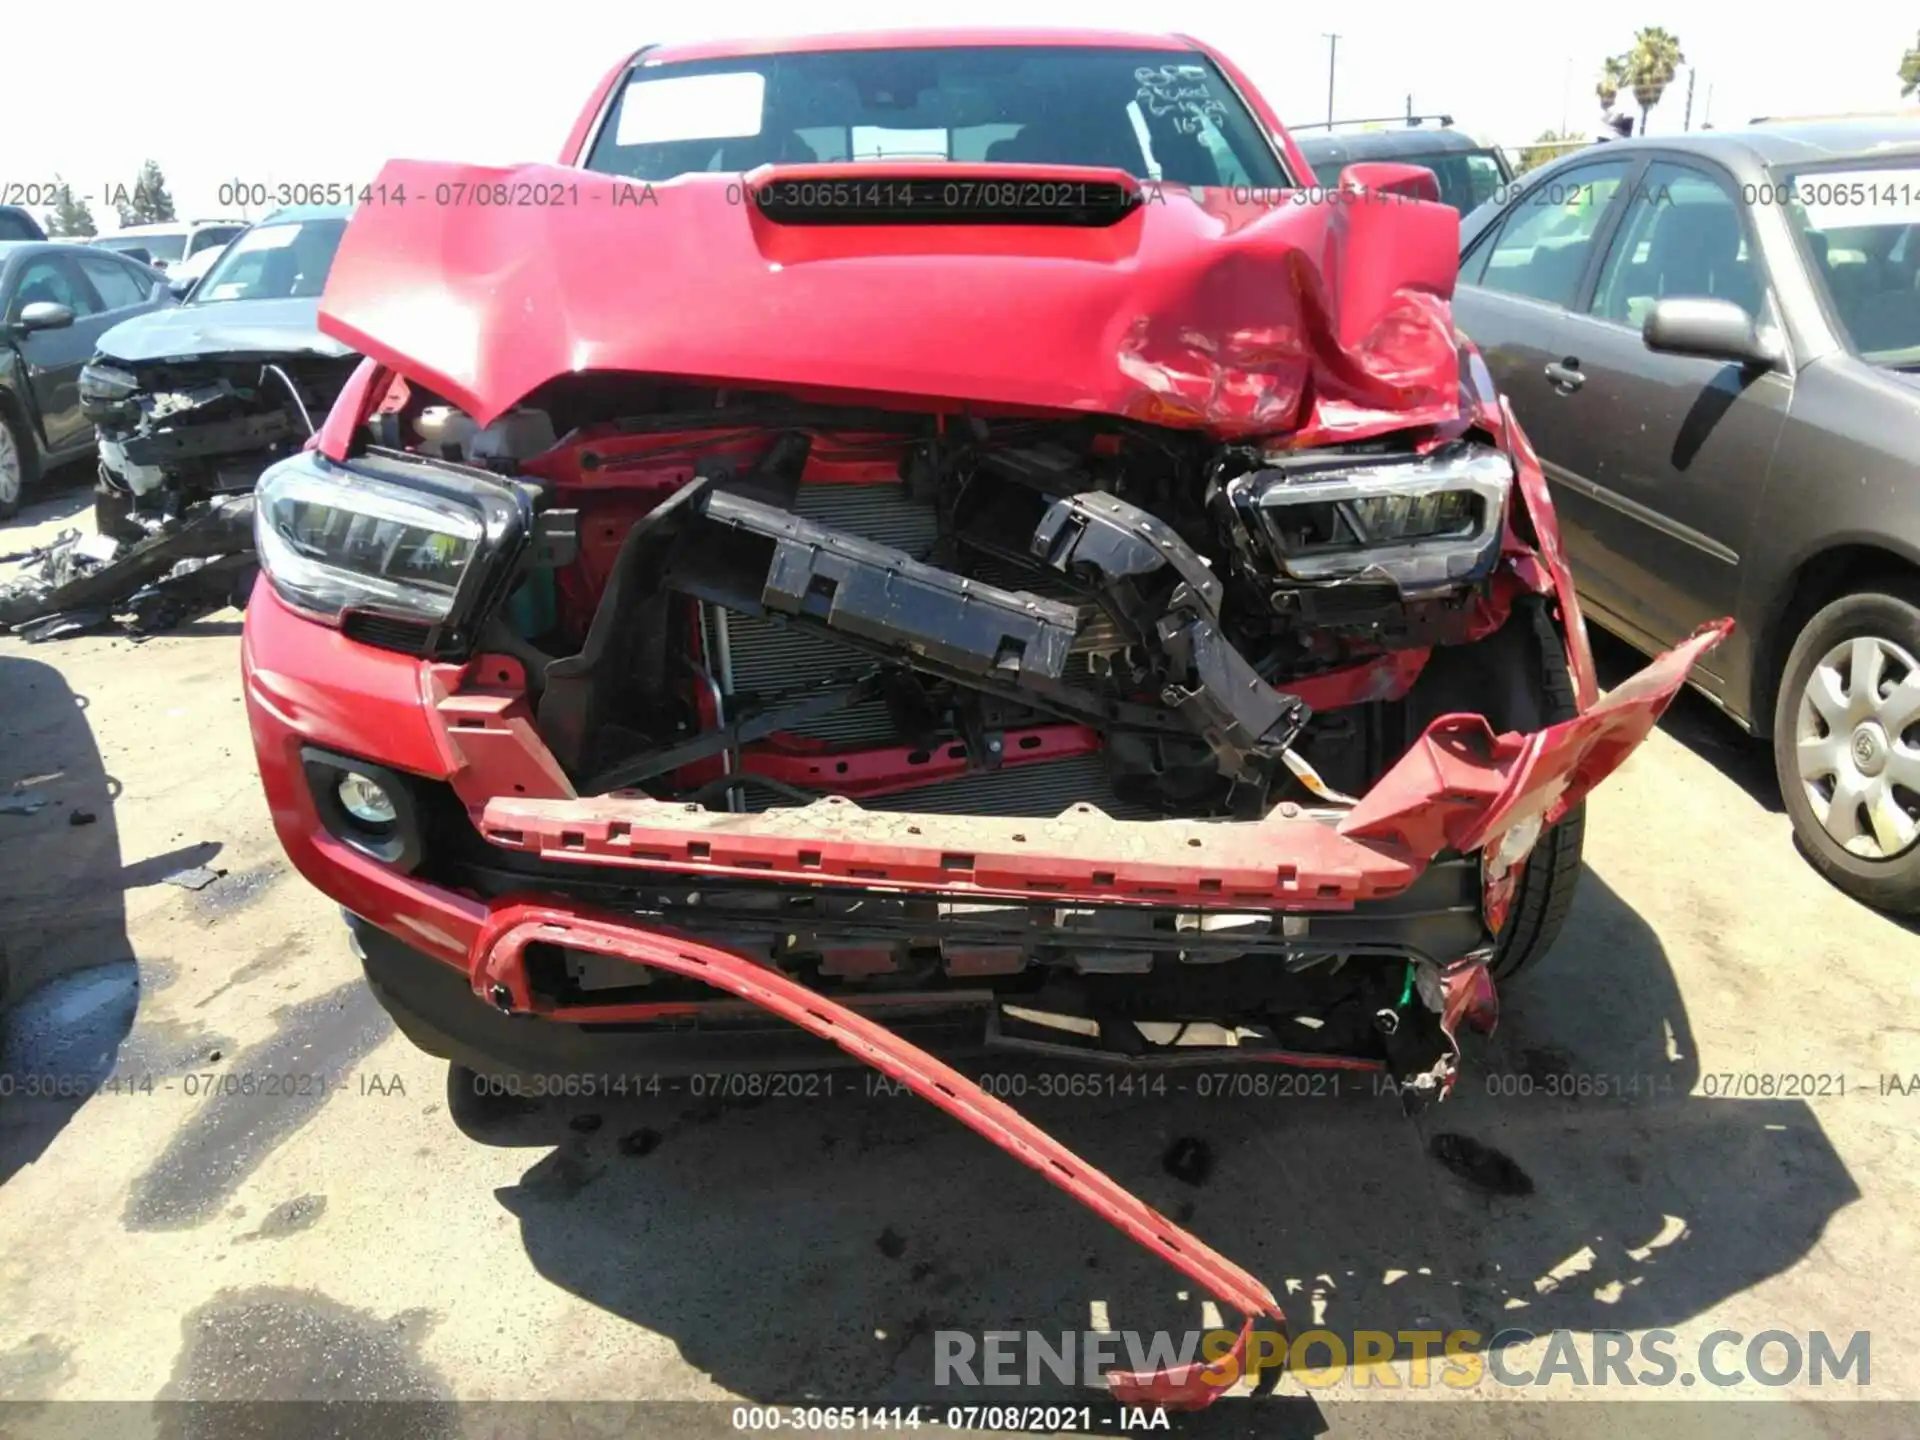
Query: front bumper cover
x=1461, y=788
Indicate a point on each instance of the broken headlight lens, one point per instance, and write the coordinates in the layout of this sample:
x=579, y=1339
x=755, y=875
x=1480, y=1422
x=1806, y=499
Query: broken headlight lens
x=332, y=538
x=106, y=384
x=1426, y=522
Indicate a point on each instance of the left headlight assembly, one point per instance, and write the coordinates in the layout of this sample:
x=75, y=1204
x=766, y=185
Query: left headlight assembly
x=104, y=383
x=106, y=392
x=1427, y=523
x=398, y=552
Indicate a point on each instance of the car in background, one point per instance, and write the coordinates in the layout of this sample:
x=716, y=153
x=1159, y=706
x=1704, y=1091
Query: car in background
x=1469, y=173
x=18, y=224
x=56, y=302
x=197, y=400
x=1713, y=340
x=172, y=242
x=188, y=407
x=181, y=278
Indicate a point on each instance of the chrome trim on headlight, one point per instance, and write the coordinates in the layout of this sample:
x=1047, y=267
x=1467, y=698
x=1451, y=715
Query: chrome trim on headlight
x=425, y=543
x=1427, y=523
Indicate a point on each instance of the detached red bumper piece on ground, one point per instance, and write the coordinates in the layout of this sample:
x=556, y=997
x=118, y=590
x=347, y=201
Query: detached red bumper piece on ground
x=772, y=601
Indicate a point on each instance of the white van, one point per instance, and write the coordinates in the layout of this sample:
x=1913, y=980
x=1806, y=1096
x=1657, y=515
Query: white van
x=171, y=241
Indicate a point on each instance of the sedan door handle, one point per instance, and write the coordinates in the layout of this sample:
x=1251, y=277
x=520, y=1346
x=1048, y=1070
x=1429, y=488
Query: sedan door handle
x=1565, y=375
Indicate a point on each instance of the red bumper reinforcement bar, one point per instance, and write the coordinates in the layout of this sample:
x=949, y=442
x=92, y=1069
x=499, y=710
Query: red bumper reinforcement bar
x=498, y=972
x=1459, y=787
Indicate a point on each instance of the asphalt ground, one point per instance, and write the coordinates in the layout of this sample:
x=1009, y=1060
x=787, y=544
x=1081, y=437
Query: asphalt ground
x=1697, y=1116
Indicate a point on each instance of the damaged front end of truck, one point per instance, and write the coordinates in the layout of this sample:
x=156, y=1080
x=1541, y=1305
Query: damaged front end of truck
x=1135, y=633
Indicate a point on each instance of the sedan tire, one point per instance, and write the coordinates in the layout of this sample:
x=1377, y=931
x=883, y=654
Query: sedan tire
x=1846, y=745
x=19, y=463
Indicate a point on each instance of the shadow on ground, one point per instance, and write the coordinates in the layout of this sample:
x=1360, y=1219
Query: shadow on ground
x=808, y=1249
x=69, y=986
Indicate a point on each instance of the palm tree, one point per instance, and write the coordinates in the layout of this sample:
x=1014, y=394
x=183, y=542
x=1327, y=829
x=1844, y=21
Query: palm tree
x=1910, y=72
x=1613, y=79
x=1650, y=67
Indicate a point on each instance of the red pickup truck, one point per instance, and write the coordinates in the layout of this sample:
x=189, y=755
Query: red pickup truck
x=906, y=543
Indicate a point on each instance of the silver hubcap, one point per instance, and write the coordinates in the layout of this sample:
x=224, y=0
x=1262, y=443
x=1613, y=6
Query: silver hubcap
x=9, y=467
x=1855, y=739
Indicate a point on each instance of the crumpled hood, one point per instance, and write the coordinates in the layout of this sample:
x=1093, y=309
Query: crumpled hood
x=233, y=327
x=1198, y=309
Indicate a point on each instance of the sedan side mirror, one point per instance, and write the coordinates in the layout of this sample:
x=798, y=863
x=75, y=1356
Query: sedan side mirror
x=182, y=286
x=1712, y=330
x=44, y=315
x=1390, y=177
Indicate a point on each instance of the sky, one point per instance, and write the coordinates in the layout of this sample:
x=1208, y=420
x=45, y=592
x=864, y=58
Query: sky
x=361, y=83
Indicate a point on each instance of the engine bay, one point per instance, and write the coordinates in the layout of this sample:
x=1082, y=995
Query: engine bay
x=747, y=601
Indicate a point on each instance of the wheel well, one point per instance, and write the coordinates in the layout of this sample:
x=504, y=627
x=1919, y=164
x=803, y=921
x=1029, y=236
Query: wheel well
x=1817, y=583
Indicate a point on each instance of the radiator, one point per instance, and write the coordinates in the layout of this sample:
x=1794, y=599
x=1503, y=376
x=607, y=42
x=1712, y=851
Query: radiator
x=769, y=657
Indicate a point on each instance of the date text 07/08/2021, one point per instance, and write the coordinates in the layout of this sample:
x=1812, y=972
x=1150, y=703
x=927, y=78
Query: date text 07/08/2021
x=1040, y=1419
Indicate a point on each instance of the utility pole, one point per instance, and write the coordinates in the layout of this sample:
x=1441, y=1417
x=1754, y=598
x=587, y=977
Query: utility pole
x=1707, y=114
x=1333, y=48
x=1687, y=123
x=1566, y=85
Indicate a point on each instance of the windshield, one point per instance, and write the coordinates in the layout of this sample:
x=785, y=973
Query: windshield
x=1157, y=114
x=273, y=262
x=1859, y=225
x=168, y=246
x=15, y=225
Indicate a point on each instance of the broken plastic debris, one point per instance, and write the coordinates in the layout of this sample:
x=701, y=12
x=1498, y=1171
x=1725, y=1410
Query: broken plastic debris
x=22, y=802
x=197, y=878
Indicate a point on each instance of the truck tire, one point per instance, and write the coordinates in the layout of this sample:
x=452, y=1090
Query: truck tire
x=1552, y=874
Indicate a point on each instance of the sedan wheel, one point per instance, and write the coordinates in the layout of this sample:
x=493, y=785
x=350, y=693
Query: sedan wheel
x=1847, y=746
x=13, y=469
x=1861, y=773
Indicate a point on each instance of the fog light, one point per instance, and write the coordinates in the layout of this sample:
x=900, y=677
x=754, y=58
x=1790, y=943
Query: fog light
x=365, y=799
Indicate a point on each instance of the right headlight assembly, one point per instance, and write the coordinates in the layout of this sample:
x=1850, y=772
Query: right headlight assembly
x=396, y=551
x=1427, y=522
